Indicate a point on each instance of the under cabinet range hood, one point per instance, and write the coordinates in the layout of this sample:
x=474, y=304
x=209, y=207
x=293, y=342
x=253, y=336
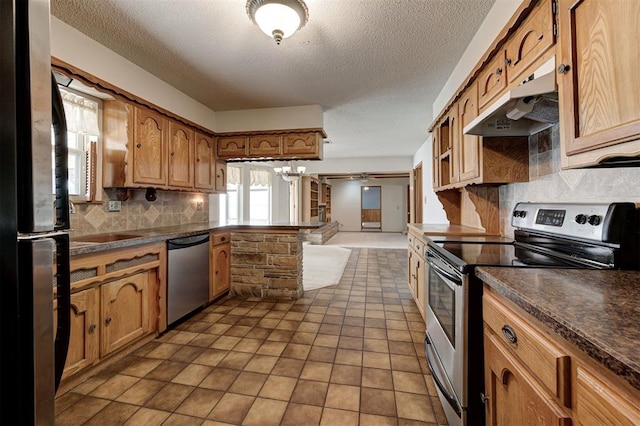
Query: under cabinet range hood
x=524, y=110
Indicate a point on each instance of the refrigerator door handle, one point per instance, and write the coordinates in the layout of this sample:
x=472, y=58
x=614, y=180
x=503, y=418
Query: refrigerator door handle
x=60, y=158
x=63, y=280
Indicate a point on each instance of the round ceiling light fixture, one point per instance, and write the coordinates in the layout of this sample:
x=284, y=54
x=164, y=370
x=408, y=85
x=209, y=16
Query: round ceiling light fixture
x=278, y=18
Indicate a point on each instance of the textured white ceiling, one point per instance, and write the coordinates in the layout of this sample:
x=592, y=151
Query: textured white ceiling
x=375, y=66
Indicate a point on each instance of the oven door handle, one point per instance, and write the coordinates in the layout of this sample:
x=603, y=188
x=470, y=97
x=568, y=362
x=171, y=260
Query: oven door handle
x=453, y=402
x=440, y=271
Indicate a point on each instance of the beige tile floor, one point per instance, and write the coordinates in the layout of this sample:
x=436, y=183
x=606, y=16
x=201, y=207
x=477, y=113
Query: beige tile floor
x=343, y=355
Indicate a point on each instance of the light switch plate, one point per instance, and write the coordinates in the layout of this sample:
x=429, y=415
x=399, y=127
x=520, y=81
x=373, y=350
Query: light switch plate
x=114, y=205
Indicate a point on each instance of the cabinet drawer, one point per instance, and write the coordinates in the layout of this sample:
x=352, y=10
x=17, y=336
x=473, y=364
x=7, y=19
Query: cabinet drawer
x=419, y=246
x=548, y=363
x=221, y=238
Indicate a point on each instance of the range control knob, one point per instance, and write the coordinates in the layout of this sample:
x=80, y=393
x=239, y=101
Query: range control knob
x=581, y=219
x=594, y=220
x=519, y=213
x=523, y=213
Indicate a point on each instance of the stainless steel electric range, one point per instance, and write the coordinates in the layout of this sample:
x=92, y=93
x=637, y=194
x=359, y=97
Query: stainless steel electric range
x=590, y=236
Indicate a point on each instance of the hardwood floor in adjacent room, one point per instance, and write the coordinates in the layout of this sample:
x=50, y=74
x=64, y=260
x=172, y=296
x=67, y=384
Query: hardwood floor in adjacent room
x=343, y=355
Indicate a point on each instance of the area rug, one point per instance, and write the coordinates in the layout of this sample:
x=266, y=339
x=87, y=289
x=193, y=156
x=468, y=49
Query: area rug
x=322, y=266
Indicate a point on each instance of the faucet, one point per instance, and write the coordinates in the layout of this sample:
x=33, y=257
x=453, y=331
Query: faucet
x=72, y=207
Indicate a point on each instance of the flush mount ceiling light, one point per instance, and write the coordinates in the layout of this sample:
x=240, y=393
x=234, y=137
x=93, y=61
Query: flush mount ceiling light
x=290, y=173
x=278, y=18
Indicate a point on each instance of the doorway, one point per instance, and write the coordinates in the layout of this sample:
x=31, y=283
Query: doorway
x=371, y=208
x=417, y=194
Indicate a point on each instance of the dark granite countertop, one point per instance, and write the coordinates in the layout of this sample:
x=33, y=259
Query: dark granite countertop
x=152, y=235
x=597, y=311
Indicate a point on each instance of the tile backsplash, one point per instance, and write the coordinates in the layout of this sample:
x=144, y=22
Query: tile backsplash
x=170, y=208
x=548, y=183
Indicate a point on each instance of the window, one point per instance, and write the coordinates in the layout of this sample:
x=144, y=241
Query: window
x=260, y=195
x=83, y=134
x=230, y=203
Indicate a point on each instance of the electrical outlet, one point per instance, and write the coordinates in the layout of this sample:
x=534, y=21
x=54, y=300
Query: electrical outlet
x=114, y=205
x=198, y=205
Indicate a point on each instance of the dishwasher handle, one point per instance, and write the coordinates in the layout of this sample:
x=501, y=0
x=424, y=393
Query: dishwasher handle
x=180, y=243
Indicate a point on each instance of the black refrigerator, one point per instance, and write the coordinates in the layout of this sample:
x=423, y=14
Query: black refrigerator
x=34, y=218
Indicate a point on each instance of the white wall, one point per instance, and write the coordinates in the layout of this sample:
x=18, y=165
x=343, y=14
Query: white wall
x=73, y=47
x=298, y=117
x=432, y=210
x=345, y=203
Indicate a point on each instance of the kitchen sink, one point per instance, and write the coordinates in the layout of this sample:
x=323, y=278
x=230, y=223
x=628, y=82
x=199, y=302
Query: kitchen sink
x=103, y=238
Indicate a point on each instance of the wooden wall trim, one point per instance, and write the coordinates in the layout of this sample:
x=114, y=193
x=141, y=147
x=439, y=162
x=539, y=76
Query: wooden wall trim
x=273, y=132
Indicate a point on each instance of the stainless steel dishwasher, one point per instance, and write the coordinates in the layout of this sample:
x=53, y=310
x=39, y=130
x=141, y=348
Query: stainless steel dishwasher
x=187, y=275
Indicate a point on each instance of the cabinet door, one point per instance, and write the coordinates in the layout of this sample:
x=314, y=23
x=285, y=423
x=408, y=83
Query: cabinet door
x=533, y=38
x=469, y=147
x=220, y=270
x=598, y=403
x=421, y=285
x=204, y=167
x=491, y=81
x=304, y=145
x=221, y=176
x=231, y=147
x=412, y=271
x=598, y=80
x=149, y=151
x=513, y=396
x=436, y=159
x=84, y=340
x=265, y=146
x=181, y=150
x=454, y=144
x=125, y=311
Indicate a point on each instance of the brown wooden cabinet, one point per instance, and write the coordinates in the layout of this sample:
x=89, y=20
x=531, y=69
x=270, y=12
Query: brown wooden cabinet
x=221, y=176
x=275, y=144
x=326, y=199
x=84, y=341
x=204, y=175
x=513, y=396
x=597, y=60
x=117, y=298
x=219, y=264
x=534, y=376
x=418, y=272
x=181, y=155
x=145, y=149
x=492, y=81
x=149, y=148
x=533, y=38
x=469, y=145
x=125, y=311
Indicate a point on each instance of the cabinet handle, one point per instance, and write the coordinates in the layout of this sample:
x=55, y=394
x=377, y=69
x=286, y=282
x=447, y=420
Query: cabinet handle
x=108, y=321
x=223, y=238
x=484, y=398
x=507, y=62
x=197, y=160
x=563, y=68
x=139, y=145
x=499, y=71
x=92, y=328
x=173, y=153
x=510, y=334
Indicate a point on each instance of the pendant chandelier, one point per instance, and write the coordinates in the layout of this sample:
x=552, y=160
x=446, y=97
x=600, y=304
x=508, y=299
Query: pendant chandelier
x=278, y=18
x=291, y=172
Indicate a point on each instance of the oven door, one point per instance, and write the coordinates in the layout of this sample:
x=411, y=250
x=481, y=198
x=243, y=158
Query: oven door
x=447, y=331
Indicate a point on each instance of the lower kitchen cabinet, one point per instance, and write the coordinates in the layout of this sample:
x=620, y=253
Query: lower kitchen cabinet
x=219, y=264
x=84, y=342
x=417, y=272
x=125, y=311
x=535, y=377
x=117, y=297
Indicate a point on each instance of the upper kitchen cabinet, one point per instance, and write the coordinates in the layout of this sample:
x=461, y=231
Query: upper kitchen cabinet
x=492, y=81
x=205, y=162
x=149, y=148
x=469, y=145
x=144, y=148
x=181, y=153
x=273, y=145
x=533, y=38
x=597, y=61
